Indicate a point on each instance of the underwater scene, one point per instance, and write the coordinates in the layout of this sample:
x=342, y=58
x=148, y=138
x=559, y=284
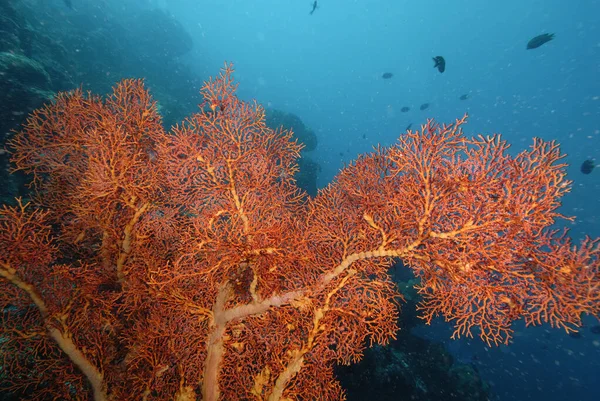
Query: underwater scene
x=298, y=200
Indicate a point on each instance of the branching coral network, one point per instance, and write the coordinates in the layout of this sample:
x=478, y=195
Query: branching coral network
x=188, y=265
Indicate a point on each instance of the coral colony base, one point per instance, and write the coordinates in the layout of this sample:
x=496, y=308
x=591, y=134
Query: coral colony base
x=153, y=265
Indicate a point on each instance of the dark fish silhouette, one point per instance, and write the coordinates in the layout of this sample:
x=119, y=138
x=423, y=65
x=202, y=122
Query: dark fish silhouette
x=424, y=106
x=464, y=97
x=440, y=63
x=408, y=127
x=387, y=75
x=539, y=40
x=314, y=7
x=69, y=4
x=595, y=329
x=587, y=166
x=405, y=109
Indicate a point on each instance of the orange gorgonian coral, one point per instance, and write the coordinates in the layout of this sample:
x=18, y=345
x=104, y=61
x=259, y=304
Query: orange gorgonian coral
x=188, y=265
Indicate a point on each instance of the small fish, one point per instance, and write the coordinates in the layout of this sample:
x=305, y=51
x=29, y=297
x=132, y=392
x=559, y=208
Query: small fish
x=539, y=40
x=424, y=106
x=314, y=7
x=405, y=109
x=440, y=63
x=595, y=329
x=464, y=97
x=408, y=127
x=387, y=75
x=587, y=166
x=69, y=4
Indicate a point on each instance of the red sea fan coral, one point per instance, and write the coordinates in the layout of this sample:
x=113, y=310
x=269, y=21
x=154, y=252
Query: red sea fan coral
x=189, y=265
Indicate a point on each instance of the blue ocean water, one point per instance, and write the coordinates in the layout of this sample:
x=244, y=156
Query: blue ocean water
x=327, y=67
